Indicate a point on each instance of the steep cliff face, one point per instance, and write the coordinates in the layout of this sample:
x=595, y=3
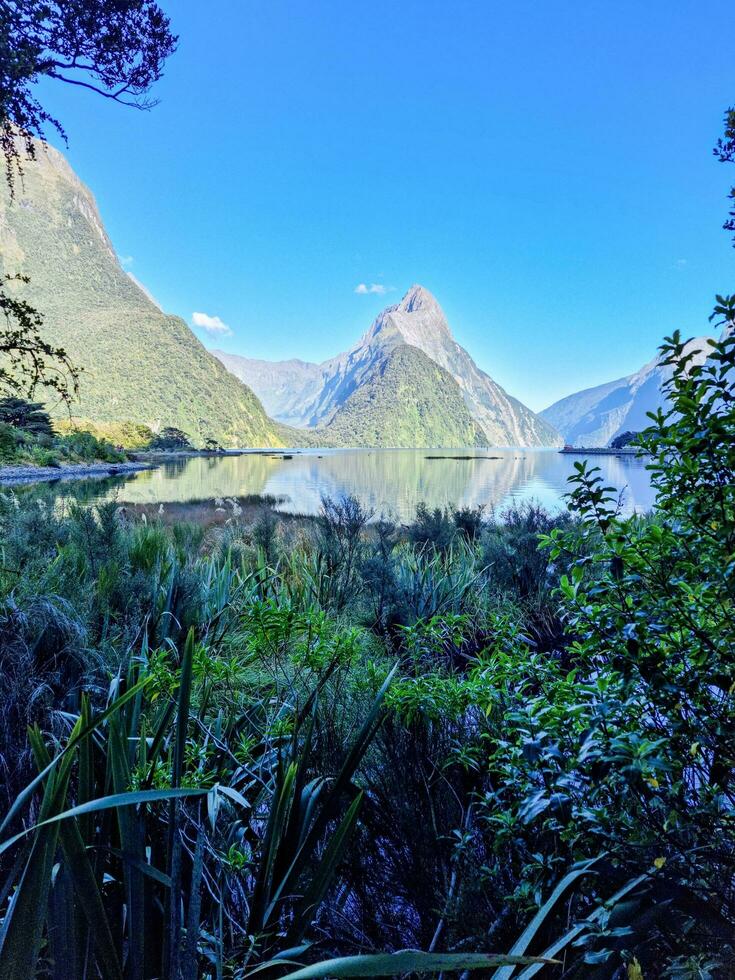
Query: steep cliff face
x=312, y=395
x=594, y=416
x=138, y=364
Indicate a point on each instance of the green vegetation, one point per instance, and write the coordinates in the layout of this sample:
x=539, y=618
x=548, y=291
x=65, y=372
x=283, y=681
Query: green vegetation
x=408, y=401
x=19, y=448
x=129, y=435
x=136, y=363
x=623, y=440
x=171, y=438
x=27, y=437
x=271, y=742
x=25, y=415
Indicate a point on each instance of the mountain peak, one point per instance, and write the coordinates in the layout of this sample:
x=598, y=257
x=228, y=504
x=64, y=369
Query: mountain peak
x=420, y=321
x=388, y=373
x=418, y=298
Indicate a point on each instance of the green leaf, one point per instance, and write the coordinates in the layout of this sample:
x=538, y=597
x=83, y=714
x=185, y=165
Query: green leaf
x=408, y=961
x=107, y=803
x=86, y=730
x=527, y=936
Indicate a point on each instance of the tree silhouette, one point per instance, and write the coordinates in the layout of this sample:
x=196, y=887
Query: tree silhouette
x=25, y=415
x=26, y=359
x=725, y=153
x=115, y=48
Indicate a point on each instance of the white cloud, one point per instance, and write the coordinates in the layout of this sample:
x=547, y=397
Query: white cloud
x=125, y=260
x=211, y=324
x=680, y=263
x=362, y=289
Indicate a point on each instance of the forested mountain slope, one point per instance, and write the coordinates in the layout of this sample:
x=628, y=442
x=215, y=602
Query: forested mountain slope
x=138, y=363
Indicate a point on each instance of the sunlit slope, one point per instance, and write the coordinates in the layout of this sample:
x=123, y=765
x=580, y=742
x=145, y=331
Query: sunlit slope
x=407, y=400
x=311, y=395
x=138, y=363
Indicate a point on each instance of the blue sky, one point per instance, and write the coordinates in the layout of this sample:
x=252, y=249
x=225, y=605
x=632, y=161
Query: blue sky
x=544, y=168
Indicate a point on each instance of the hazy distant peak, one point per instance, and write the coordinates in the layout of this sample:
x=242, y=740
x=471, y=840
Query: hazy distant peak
x=594, y=416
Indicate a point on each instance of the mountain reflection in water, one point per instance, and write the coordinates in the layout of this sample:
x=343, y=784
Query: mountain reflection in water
x=390, y=481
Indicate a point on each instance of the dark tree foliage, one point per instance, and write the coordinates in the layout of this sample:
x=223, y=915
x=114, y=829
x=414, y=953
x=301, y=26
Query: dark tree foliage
x=26, y=359
x=25, y=415
x=623, y=440
x=723, y=314
x=113, y=47
x=171, y=438
x=725, y=153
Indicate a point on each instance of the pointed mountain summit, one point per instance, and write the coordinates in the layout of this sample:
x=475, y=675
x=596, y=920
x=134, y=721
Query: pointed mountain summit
x=313, y=395
x=418, y=319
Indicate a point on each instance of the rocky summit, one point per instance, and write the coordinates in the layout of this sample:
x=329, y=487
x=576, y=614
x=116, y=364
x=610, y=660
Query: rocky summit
x=313, y=395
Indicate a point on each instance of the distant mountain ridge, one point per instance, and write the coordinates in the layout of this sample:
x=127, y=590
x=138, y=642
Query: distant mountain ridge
x=313, y=395
x=138, y=364
x=595, y=416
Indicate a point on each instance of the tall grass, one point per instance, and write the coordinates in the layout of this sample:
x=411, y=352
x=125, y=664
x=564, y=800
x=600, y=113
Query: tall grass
x=301, y=746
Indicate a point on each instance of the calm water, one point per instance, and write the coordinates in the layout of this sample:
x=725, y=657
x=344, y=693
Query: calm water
x=391, y=481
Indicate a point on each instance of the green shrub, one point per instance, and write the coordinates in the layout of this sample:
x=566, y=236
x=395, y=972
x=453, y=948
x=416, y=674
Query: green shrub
x=83, y=446
x=9, y=442
x=40, y=456
x=434, y=527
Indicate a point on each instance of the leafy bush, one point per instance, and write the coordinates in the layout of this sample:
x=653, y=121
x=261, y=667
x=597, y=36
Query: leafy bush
x=10, y=440
x=631, y=753
x=434, y=527
x=84, y=446
x=469, y=521
x=41, y=456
